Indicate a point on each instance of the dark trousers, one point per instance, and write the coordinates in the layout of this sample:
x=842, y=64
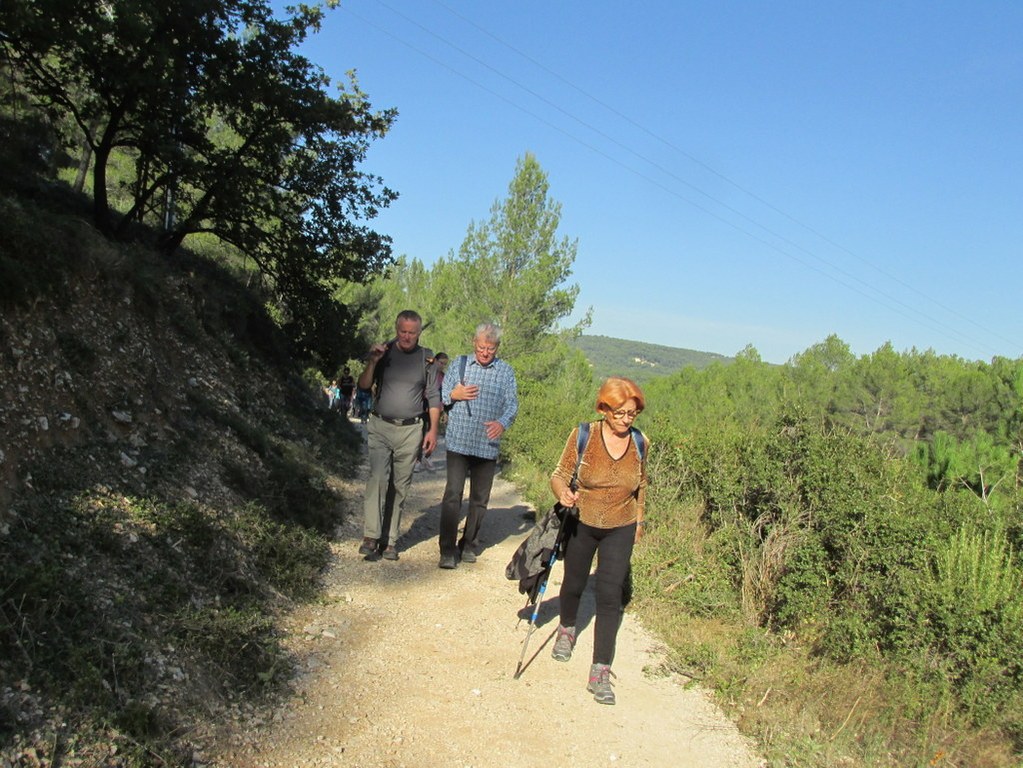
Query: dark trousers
x=613, y=547
x=481, y=479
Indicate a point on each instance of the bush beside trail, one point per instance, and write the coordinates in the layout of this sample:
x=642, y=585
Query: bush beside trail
x=833, y=575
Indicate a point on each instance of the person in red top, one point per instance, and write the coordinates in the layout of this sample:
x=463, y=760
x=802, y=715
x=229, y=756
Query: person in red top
x=610, y=498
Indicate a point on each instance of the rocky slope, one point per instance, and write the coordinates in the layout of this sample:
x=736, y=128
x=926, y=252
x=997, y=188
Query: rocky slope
x=155, y=441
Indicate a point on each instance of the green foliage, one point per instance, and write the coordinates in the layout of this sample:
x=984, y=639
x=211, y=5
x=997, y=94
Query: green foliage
x=978, y=464
x=976, y=617
x=512, y=269
x=199, y=117
x=518, y=264
x=549, y=406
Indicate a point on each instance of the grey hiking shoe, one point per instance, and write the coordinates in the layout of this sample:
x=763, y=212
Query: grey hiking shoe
x=564, y=643
x=447, y=562
x=600, y=684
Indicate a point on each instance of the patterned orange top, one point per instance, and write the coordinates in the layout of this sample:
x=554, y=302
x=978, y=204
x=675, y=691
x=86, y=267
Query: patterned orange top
x=612, y=492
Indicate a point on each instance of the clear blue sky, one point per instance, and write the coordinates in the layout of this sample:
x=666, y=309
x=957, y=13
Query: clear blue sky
x=735, y=173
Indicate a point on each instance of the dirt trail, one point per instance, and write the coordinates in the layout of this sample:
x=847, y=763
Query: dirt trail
x=406, y=665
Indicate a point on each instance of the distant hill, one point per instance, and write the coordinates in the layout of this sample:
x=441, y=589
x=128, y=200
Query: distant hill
x=638, y=360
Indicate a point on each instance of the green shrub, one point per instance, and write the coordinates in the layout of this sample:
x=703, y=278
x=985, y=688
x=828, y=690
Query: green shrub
x=975, y=617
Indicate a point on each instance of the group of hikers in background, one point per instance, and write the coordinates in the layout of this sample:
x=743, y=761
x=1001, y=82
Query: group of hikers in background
x=600, y=478
x=345, y=397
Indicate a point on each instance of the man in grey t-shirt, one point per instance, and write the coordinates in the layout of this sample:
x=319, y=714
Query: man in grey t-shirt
x=402, y=379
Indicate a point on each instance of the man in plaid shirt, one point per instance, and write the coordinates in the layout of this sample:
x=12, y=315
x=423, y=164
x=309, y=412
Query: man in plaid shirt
x=483, y=405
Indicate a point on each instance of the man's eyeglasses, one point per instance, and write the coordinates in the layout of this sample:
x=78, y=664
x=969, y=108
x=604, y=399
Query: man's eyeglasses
x=485, y=350
x=622, y=414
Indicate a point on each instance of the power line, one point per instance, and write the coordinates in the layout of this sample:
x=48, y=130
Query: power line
x=613, y=110
x=935, y=323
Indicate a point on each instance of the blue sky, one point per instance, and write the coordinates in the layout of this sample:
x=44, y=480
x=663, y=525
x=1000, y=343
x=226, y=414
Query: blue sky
x=734, y=173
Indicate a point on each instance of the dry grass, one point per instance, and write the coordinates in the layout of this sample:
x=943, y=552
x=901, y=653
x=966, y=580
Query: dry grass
x=805, y=712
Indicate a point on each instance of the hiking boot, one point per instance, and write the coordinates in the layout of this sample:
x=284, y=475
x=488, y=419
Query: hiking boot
x=447, y=562
x=564, y=643
x=600, y=684
x=368, y=546
x=390, y=553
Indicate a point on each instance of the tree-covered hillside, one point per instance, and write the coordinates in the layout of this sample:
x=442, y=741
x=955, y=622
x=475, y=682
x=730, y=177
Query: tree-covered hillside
x=638, y=360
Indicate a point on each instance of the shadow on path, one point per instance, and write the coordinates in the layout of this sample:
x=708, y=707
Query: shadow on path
x=423, y=524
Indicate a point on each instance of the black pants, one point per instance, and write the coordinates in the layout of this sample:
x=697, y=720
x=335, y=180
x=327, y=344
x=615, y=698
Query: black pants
x=613, y=547
x=481, y=479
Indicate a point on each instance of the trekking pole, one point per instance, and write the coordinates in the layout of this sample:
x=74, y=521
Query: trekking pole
x=536, y=611
x=541, y=589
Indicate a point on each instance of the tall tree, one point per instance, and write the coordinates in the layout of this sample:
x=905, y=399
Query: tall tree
x=231, y=131
x=513, y=268
x=811, y=376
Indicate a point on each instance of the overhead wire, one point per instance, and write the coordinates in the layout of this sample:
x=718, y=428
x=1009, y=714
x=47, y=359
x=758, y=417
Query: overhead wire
x=916, y=315
x=723, y=177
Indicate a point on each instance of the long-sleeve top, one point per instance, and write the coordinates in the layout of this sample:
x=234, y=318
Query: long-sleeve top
x=612, y=492
x=498, y=400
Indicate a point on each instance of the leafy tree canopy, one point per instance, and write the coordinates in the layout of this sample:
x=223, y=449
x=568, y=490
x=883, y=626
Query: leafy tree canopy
x=230, y=131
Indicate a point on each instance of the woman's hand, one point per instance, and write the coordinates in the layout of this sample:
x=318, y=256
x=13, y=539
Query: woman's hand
x=568, y=497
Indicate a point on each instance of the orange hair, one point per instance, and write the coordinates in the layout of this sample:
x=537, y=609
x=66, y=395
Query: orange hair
x=615, y=391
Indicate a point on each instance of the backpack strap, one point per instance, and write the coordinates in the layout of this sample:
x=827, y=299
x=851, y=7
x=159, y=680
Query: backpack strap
x=640, y=440
x=462, y=362
x=581, y=439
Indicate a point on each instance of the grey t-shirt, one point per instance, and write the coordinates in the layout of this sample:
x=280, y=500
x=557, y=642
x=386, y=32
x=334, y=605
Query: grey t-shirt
x=403, y=381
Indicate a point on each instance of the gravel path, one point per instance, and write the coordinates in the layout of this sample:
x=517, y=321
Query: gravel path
x=404, y=665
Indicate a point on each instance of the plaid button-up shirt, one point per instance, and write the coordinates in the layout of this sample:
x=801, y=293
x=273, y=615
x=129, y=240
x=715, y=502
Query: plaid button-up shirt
x=498, y=400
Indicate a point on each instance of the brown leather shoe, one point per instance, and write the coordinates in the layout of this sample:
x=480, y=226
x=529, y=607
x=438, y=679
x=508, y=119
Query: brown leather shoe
x=368, y=546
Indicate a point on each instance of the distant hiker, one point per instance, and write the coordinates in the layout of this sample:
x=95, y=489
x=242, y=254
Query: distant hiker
x=333, y=394
x=439, y=362
x=484, y=398
x=346, y=385
x=401, y=377
x=363, y=404
x=612, y=493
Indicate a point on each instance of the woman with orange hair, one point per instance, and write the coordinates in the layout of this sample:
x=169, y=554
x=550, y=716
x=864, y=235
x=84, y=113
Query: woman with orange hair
x=610, y=496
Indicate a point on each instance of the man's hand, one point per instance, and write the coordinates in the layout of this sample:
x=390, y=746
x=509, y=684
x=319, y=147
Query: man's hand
x=465, y=391
x=494, y=429
x=430, y=438
x=376, y=352
x=429, y=442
